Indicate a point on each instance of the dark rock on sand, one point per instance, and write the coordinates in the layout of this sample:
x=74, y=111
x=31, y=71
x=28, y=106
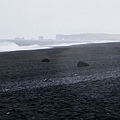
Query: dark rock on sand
x=82, y=64
x=45, y=60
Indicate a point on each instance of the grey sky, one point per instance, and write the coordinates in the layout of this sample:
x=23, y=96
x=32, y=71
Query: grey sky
x=31, y=18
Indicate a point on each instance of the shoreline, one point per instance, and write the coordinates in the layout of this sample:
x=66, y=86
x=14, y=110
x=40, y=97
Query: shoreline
x=57, y=46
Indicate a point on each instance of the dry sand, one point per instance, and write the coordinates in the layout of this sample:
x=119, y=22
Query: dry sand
x=59, y=90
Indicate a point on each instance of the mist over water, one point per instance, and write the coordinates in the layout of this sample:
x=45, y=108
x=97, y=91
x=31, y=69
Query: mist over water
x=14, y=45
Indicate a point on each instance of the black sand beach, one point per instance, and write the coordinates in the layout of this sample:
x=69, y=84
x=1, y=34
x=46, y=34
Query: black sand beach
x=59, y=90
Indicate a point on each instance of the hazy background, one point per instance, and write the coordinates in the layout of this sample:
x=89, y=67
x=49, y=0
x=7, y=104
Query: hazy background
x=32, y=18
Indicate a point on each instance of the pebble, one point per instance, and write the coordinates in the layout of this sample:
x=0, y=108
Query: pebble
x=8, y=113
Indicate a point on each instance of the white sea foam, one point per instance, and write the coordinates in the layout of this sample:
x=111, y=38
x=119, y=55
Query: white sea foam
x=12, y=46
x=66, y=44
x=8, y=46
x=80, y=43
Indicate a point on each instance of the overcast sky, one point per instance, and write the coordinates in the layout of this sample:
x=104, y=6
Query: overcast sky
x=32, y=18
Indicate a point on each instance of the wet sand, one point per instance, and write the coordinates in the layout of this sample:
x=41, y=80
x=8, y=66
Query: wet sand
x=31, y=89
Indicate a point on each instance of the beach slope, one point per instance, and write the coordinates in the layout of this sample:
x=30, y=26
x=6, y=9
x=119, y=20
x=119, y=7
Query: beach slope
x=58, y=89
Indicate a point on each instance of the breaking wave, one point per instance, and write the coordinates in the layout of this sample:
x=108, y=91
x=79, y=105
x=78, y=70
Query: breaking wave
x=12, y=46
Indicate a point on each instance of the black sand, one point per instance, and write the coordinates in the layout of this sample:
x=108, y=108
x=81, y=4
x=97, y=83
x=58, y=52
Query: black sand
x=59, y=90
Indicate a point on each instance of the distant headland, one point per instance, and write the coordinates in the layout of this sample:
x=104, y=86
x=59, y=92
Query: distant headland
x=88, y=36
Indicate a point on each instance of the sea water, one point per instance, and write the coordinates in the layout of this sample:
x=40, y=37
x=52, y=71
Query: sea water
x=14, y=45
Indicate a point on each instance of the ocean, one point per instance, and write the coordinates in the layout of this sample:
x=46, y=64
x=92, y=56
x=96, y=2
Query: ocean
x=18, y=45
